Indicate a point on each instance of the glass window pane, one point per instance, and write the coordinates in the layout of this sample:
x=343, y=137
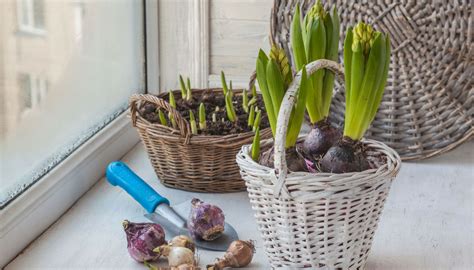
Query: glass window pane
x=59, y=88
x=24, y=92
x=38, y=13
x=23, y=10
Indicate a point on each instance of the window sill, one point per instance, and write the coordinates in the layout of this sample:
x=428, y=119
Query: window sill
x=31, y=32
x=424, y=225
x=43, y=203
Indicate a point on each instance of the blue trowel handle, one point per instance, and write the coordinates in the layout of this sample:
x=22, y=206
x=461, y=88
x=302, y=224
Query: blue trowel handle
x=119, y=174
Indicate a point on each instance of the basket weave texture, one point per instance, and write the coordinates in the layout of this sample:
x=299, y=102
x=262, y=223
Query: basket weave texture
x=322, y=220
x=181, y=160
x=427, y=107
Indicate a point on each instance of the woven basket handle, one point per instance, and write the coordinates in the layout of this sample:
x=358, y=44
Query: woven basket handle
x=284, y=117
x=182, y=124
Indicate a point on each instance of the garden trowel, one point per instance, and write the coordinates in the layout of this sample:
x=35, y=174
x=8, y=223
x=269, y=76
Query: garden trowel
x=159, y=209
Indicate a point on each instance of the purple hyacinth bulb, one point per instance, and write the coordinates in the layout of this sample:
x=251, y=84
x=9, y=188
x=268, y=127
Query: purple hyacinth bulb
x=206, y=221
x=142, y=238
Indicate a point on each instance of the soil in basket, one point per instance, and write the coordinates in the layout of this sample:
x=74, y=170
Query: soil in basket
x=295, y=158
x=222, y=126
x=373, y=159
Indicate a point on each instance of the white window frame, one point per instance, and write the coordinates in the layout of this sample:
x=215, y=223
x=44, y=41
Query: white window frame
x=29, y=215
x=30, y=26
x=38, y=92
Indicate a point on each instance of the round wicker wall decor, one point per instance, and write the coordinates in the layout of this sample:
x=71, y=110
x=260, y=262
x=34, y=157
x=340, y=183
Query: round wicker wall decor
x=427, y=108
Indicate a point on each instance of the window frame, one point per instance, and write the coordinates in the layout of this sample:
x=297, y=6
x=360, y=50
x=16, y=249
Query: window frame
x=38, y=88
x=30, y=26
x=45, y=201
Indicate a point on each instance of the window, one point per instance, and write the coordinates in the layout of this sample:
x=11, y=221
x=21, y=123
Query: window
x=31, y=16
x=78, y=20
x=32, y=91
x=58, y=91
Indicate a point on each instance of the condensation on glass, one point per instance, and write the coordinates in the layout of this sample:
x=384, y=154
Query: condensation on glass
x=67, y=69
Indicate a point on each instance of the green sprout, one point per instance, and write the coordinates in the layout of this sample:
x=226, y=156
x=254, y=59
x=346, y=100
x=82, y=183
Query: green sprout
x=245, y=101
x=173, y=105
x=230, y=108
x=254, y=91
x=366, y=65
x=225, y=89
x=252, y=101
x=251, y=118
x=256, y=145
x=231, y=89
x=192, y=121
x=202, y=117
x=214, y=117
x=183, y=87
x=150, y=266
x=172, y=100
x=162, y=117
x=256, y=122
x=189, y=93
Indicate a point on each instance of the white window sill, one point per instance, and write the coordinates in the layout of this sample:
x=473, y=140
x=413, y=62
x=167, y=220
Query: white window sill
x=39, y=206
x=30, y=31
x=427, y=222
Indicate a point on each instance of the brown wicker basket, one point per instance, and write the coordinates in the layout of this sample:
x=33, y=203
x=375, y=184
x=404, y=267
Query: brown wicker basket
x=427, y=108
x=181, y=160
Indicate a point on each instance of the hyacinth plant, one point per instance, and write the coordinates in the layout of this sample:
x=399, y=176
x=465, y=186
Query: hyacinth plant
x=198, y=116
x=192, y=122
x=366, y=64
x=247, y=105
x=312, y=38
x=274, y=77
x=228, y=94
x=225, y=88
x=172, y=102
x=202, y=117
x=162, y=117
x=186, y=93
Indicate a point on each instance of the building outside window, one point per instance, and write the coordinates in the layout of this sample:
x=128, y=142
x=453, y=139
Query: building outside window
x=59, y=90
x=32, y=91
x=31, y=16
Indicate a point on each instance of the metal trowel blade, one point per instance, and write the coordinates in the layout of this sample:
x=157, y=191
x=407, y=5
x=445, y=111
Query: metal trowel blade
x=183, y=209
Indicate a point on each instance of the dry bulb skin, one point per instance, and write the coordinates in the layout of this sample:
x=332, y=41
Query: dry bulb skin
x=183, y=241
x=142, y=238
x=321, y=137
x=176, y=255
x=345, y=156
x=206, y=221
x=239, y=254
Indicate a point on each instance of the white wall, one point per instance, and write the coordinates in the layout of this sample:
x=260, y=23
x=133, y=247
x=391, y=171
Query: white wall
x=199, y=38
x=238, y=29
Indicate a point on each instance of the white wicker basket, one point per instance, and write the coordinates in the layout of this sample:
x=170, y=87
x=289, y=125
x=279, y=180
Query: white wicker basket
x=318, y=221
